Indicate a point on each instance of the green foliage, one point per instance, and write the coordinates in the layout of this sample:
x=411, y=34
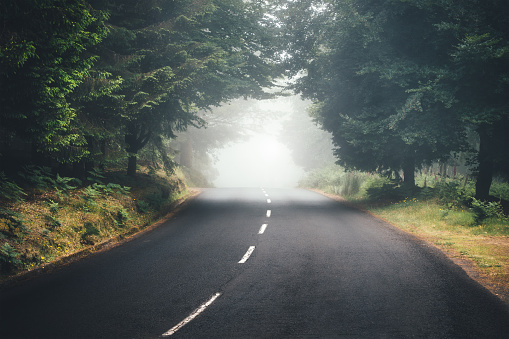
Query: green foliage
x=62, y=184
x=43, y=58
x=53, y=221
x=9, y=190
x=399, y=83
x=486, y=209
x=9, y=257
x=90, y=233
x=37, y=176
x=336, y=180
x=42, y=178
x=122, y=217
x=54, y=207
x=155, y=200
x=96, y=176
x=452, y=192
x=11, y=223
x=143, y=206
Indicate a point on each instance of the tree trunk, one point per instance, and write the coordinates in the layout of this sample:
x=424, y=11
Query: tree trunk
x=131, y=165
x=485, y=170
x=409, y=172
x=136, y=138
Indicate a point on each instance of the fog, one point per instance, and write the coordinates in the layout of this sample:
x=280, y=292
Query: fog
x=261, y=160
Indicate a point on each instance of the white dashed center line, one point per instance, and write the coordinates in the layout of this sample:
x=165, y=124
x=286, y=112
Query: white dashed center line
x=247, y=255
x=191, y=316
x=269, y=213
x=268, y=201
x=262, y=229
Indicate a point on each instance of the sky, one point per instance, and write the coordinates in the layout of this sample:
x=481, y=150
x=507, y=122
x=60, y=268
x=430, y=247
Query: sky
x=260, y=161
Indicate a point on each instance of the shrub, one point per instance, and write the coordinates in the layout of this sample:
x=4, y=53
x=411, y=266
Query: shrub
x=38, y=177
x=351, y=184
x=90, y=235
x=451, y=192
x=9, y=257
x=95, y=176
x=143, y=206
x=53, y=207
x=9, y=190
x=122, y=217
x=486, y=209
x=11, y=223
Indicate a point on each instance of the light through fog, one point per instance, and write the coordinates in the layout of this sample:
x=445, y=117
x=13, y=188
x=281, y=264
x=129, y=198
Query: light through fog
x=262, y=160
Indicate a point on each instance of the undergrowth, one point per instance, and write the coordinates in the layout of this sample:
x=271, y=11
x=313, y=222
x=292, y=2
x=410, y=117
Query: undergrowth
x=442, y=210
x=45, y=216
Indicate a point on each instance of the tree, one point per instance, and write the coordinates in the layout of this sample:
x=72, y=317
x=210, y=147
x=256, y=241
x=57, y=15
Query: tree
x=44, y=56
x=176, y=57
x=365, y=65
x=479, y=80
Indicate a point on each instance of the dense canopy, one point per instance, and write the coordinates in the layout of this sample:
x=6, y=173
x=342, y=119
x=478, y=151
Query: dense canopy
x=399, y=83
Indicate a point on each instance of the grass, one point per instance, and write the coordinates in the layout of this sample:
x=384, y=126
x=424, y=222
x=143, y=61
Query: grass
x=440, y=215
x=50, y=224
x=453, y=231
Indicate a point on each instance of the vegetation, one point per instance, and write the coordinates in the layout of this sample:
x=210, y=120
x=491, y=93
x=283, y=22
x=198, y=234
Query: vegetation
x=403, y=84
x=93, y=88
x=52, y=220
x=442, y=211
x=93, y=83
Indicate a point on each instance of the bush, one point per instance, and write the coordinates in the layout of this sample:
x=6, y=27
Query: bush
x=121, y=218
x=143, y=206
x=451, y=192
x=90, y=235
x=9, y=190
x=486, y=209
x=8, y=257
x=352, y=182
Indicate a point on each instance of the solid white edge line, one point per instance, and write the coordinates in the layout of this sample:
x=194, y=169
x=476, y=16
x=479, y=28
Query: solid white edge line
x=247, y=255
x=191, y=316
x=269, y=212
x=262, y=229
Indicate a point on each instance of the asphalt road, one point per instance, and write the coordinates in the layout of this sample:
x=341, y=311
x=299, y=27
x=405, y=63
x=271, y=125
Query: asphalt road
x=316, y=269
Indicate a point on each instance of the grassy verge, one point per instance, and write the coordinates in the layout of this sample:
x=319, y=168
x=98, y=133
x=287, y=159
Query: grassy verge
x=482, y=251
x=61, y=220
x=476, y=236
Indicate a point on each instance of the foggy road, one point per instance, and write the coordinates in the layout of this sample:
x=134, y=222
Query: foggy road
x=258, y=262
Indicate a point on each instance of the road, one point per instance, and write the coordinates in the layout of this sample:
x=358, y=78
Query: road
x=226, y=267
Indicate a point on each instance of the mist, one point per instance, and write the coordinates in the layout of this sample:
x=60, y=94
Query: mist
x=261, y=159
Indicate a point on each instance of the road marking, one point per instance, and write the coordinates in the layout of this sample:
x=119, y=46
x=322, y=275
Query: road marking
x=266, y=195
x=268, y=201
x=247, y=255
x=269, y=213
x=262, y=229
x=191, y=316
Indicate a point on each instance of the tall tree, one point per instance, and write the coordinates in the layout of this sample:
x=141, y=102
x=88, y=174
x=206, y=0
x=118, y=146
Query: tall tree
x=176, y=57
x=478, y=78
x=364, y=62
x=43, y=58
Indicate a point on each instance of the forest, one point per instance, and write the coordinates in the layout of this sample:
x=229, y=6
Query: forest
x=90, y=87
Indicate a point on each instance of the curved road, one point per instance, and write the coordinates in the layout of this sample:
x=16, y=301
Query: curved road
x=251, y=263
